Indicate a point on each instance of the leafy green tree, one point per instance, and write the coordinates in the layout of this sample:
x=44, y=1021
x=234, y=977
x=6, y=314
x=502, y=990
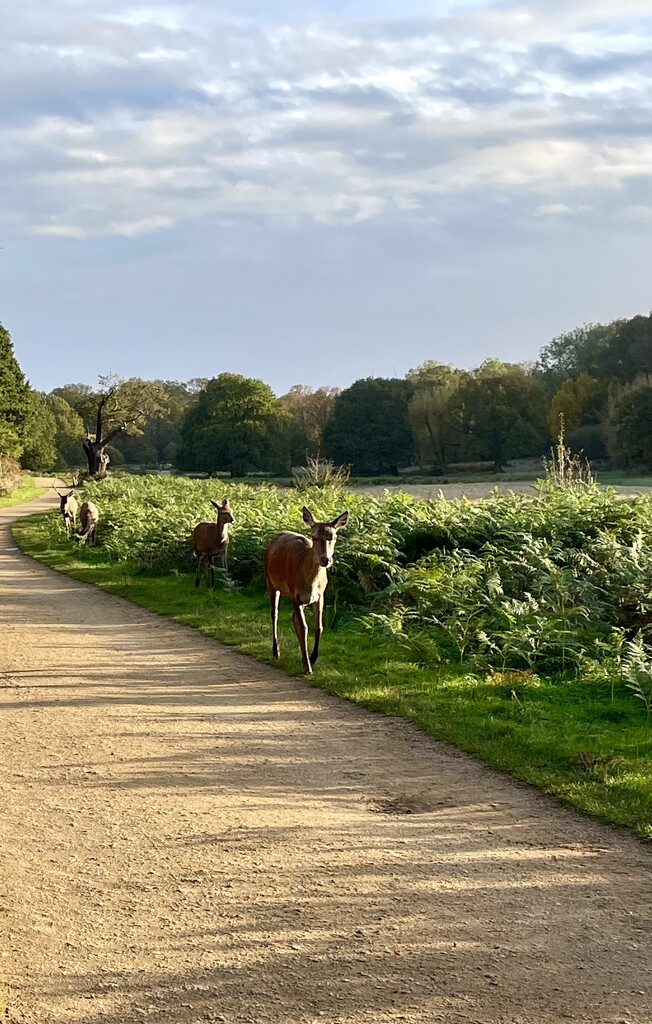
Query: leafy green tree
x=311, y=411
x=579, y=400
x=503, y=408
x=633, y=442
x=119, y=405
x=369, y=428
x=582, y=350
x=14, y=399
x=620, y=350
x=69, y=432
x=630, y=351
x=76, y=395
x=39, y=450
x=432, y=373
x=236, y=424
x=433, y=415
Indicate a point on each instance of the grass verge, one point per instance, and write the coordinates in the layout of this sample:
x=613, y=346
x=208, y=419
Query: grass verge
x=27, y=491
x=586, y=741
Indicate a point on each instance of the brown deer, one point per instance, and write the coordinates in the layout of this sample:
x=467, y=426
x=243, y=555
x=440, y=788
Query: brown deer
x=296, y=567
x=89, y=515
x=212, y=539
x=68, y=506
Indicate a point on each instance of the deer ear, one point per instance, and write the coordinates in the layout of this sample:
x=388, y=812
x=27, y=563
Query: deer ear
x=308, y=516
x=225, y=503
x=341, y=520
x=214, y=504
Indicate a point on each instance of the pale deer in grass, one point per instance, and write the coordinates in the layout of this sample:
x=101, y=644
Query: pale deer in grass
x=296, y=567
x=210, y=540
x=89, y=515
x=68, y=506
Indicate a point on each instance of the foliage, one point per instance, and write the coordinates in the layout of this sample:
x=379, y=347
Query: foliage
x=369, y=428
x=10, y=475
x=636, y=664
x=68, y=432
x=236, y=425
x=39, y=449
x=14, y=399
x=620, y=350
x=311, y=411
x=579, y=400
x=320, y=473
x=435, y=423
x=119, y=406
x=565, y=469
x=502, y=407
x=512, y=582
x=634, y=427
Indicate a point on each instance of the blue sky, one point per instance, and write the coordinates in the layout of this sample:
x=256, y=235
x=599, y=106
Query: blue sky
x=310, y=191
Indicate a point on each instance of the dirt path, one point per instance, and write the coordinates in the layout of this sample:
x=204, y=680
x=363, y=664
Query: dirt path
x=188, y=836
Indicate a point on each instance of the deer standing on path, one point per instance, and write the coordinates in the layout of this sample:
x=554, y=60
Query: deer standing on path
x=296, y=567
x=68, y=506
x=212, y=539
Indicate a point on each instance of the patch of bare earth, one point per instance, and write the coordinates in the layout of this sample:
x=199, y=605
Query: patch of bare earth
x=189, y=836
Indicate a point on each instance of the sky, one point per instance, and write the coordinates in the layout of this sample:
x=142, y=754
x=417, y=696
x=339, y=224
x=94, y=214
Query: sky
x=314, y=191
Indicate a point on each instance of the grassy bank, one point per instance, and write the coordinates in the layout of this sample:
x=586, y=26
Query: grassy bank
x=586, y=739
x=27, y=491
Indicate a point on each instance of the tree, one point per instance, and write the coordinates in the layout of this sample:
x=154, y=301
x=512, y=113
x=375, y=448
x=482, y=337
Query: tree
x=620, y=350
x=582, y=350
x=432, y=412
x=579, y=400
x=503, y=408
x=120, y=405
x=14, y=399
x=39, y=450
x=432, y=418
x=311, y=411
x=69, y=432
x=237, y=424
x=634, y=428
x=369, y=428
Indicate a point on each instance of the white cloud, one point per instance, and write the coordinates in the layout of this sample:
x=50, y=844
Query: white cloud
x=133, y=118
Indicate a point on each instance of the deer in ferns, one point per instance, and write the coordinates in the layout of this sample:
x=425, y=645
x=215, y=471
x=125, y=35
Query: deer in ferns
x=210, y=540
x=296, y=567
x=89, y=515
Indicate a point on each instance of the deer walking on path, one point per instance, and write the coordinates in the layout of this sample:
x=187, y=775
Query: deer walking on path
x=68, y=506
x=296, y=567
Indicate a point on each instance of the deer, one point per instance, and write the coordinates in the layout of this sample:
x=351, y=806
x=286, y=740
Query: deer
x=296, y=567
x=89, y=515
x=68, y=506
x=212, y=539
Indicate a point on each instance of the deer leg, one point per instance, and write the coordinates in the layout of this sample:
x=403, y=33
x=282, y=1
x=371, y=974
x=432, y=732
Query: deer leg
x=211, y=570
x=301, y=629
x=198, y=573
x=274, y=598
x=318, y=612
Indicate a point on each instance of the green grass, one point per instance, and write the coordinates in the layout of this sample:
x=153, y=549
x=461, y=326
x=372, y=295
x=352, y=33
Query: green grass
x=26, y=491
x=586, y=741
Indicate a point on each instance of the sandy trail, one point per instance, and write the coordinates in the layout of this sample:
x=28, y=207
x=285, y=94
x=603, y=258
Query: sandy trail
x=188, y=836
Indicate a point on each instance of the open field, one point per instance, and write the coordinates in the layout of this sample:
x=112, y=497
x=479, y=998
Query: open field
x=475, y=490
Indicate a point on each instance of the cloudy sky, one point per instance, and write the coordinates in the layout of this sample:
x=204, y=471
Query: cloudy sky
x=312, y=191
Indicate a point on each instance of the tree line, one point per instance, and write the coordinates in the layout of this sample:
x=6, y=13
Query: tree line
x=597, y=379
